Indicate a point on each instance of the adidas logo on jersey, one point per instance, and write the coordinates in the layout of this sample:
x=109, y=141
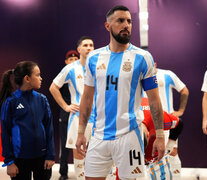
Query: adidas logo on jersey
x=79, y=76
x=20, y=106
x=176, y=171
x=81, y=175
x=102, y=66
x=136, y=171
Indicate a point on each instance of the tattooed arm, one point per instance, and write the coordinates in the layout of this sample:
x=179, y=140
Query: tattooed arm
x=157, y=117
x=85, y=111
x=184, y=93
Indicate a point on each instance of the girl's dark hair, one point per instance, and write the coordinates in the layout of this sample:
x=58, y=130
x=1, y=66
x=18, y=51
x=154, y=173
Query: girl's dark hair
x=8, y=85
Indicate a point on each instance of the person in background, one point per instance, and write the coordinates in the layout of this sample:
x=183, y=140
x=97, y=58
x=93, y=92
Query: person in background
x=26, y=125
x=171, y=122
x=204, y=103
x=70, y=56
x=73, y=76
x=167, y=81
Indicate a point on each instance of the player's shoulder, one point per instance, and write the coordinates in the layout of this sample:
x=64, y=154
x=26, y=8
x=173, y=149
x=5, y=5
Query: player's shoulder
x=205, y=74
x=165, y=71
x=71, y=66
x=101, y=50
x=141, y=53
x=137, y=50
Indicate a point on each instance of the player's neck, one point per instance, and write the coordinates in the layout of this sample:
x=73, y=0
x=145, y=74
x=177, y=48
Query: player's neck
x=82, y=60
x=117, y=47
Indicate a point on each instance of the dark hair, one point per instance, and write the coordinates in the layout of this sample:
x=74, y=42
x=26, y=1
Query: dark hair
x=8, y=83
x=116, y=8
x=82, y=39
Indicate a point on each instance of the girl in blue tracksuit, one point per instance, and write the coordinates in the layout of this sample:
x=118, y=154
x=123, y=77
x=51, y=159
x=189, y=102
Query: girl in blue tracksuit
x=26, y=124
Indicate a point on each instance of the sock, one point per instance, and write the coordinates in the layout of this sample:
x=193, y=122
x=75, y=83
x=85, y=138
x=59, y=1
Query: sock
x=79, y=169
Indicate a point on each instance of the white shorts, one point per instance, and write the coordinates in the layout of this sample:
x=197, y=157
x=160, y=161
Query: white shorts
x=125, y=152
x=72, y=133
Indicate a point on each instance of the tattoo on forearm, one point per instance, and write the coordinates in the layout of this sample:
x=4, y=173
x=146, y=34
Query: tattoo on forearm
x=86, y=116
x=183, y=101
x=157, y=116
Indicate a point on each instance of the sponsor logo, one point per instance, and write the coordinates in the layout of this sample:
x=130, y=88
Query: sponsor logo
x=136, y=171
x=176, y=171
x=101, y=67
x=81, y=174
x=79, y=76
x=145, y=108
x=20, y=106
x=80, y=166
x=127, y=66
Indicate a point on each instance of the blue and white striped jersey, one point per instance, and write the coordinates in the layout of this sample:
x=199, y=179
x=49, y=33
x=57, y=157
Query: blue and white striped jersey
x=167, y=80
x=118, y=79
x=73, y=75
x=204, y=85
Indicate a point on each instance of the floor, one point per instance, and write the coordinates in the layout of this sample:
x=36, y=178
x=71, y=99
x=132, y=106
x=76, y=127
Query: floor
x=186, y=173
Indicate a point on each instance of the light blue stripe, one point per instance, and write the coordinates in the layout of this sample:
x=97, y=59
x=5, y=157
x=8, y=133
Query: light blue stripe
x=139, y=65
x=168, y=82
x=162, y=170
x=168, y=164
x=139, y=138
x=111, y=96
x=155, y=176
x=92, y=67
x=71, y=120
x=71, y=76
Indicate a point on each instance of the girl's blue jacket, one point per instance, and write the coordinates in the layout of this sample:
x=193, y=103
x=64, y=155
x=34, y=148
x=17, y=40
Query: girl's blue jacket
x=27, y=127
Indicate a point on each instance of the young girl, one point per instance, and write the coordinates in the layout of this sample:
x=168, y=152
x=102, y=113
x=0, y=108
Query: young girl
x=26, y=125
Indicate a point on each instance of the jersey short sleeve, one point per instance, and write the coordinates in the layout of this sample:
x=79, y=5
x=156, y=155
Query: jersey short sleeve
x=61, y=77
x=178, y=84
x=89, y=76
x=149, y=78
x=204, y=86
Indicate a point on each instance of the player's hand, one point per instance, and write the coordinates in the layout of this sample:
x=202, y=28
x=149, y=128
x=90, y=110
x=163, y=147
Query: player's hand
x=81, y=144
x=204, y=126
x=159, y=146
x=145, y=130
x=72, y=108
x=12, y=170
x=48, y=164
x=177, y=113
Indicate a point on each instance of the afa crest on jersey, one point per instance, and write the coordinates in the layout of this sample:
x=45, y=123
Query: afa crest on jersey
x=127, y=66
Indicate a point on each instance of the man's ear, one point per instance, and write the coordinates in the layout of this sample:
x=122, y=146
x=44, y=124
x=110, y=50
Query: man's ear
x=78, y=49
x=106, y=24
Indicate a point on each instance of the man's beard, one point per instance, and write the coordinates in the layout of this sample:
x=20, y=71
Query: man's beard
x=121, y=39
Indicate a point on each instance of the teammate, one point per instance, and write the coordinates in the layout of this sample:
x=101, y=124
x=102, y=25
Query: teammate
x=27, y=130
x=171, y=122
x=204, y=103
x=115, y=74
x=70, y=56
x=73, y=76
x=167, y=81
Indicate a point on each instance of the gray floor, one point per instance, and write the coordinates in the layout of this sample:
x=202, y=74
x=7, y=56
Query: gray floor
x=186, y=173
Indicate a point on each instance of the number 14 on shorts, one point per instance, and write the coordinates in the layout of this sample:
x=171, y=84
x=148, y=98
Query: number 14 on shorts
x=134, y=156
